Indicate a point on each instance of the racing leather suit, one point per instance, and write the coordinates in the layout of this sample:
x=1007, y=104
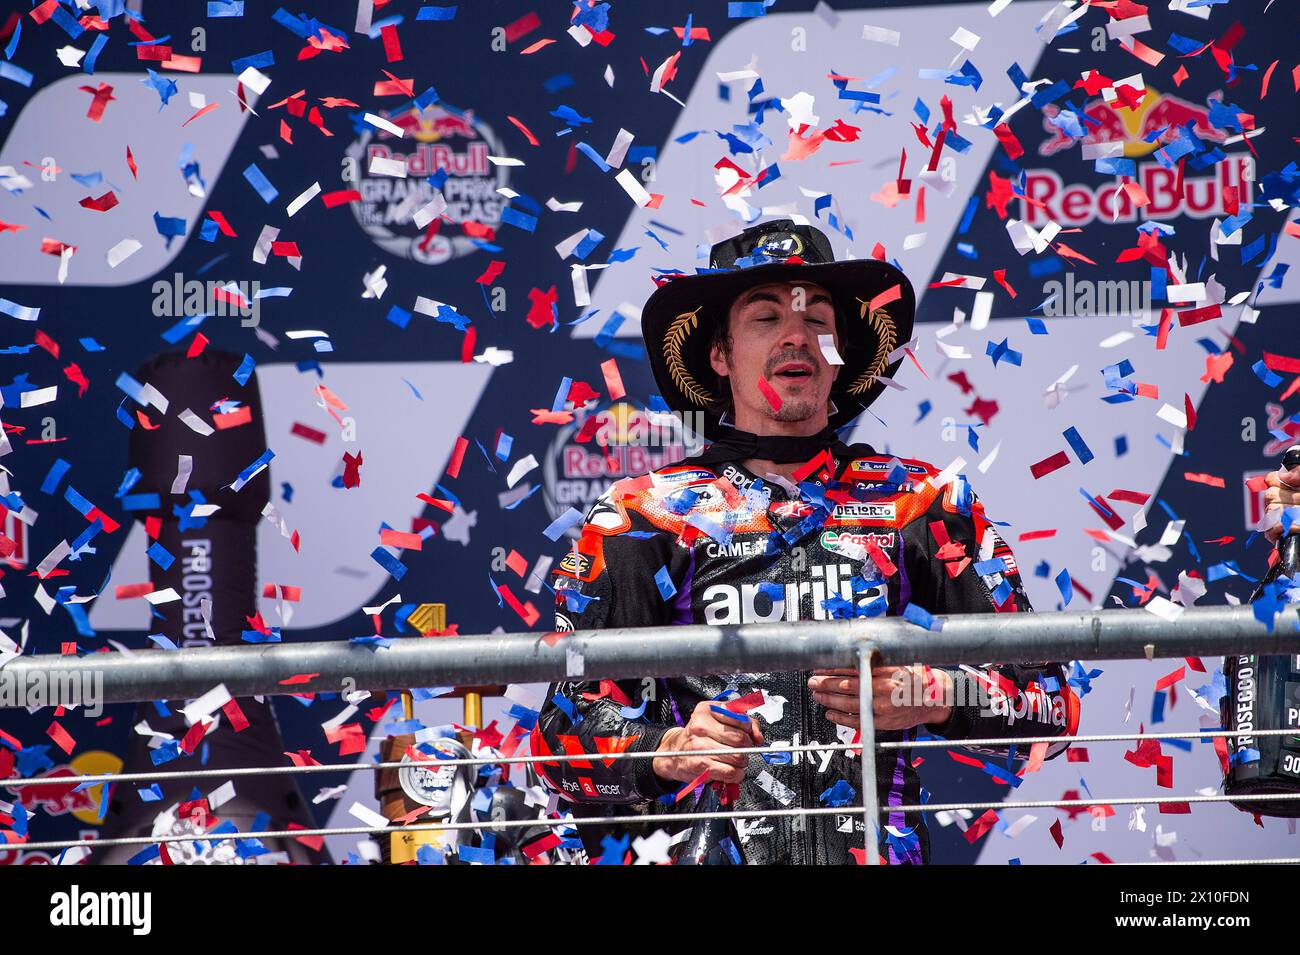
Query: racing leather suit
x=696, y=544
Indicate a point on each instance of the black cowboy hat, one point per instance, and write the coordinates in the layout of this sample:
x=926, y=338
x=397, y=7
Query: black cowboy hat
x=874, y=303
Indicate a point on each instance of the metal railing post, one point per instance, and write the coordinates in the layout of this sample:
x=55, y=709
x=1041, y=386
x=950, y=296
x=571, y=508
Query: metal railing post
x=867, y=736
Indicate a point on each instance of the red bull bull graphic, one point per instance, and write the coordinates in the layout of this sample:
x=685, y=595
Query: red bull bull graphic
x=58, y=800
x=1115, y=123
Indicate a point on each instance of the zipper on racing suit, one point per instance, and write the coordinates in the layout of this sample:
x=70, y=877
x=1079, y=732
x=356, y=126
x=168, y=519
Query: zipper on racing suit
x=805, y=770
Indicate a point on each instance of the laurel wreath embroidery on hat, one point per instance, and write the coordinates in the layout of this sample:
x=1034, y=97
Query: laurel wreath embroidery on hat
x=883, y=326
x=674, y=340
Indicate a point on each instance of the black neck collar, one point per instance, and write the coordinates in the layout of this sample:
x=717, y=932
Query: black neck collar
x=737, y=445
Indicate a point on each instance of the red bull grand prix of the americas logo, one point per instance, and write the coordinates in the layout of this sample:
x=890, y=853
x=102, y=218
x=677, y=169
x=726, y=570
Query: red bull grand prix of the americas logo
x=433, y=139
x=1078, y=204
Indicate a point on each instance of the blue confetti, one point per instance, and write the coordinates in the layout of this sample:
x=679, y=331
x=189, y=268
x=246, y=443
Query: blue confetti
x=245, y=370
x=257, y=179
x=667, y=589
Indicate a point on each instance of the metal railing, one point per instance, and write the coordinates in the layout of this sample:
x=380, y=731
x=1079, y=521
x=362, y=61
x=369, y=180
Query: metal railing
x=666, y=651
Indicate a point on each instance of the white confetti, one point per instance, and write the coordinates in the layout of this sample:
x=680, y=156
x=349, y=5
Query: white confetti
x=632, y=186
x=304, y=197
x=379, y=166
x=827, y=345
x=162, y=596
x=1164, y=609
x=1171, y=414
x=521, y=467
x=618, y=151
x=979, y=316
x=184, y=468
x=122, y=251
x=255, y=80
x=367, y=816
x=195, y=423
x=880, y=35
x=380, y=123
x=429, y=211
x=774, y=788
x=38, y=396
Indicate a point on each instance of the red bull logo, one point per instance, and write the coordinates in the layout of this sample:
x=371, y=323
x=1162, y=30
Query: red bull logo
x=1116, y=124
x=467, y=201
x=430, y=126
x=57, y=800
x=1049, y=198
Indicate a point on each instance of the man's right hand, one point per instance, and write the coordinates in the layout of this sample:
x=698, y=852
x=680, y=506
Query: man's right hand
x=707, y=729
x=1283, y=490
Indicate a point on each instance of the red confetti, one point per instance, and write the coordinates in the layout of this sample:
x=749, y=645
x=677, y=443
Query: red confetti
x=392, y=45
x=340, y=197
x=1048, y=465
x=351, y=469
x=525, y=130
x=102, y=204
x=391, y=538
x=103, y=95
x=533, y=48
x=238, y=721
x=981, y=826
x=298, y=679
x=1008, y=140
x=522, y=27
x=310, y=434
x=769, y=393
x=457, y=456
x=233, y=419
x=222, y=223
x=206, y=109
x=494, y=269
x=1000, y=276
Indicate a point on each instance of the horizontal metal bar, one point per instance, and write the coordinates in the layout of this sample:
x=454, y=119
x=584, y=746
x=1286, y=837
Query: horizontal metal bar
x=198, y=774
x=261, y=670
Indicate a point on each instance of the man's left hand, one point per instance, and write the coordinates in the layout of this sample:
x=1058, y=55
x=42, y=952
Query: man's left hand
x=837, y=690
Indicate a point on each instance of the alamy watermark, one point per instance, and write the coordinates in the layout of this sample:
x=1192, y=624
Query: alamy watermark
x=178, y=298
x=639, y=429
x=1012, y=703
x=1089, y=298
x=37, y=689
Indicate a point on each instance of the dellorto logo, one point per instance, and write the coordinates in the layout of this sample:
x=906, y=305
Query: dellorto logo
x=1048, y=197
x=435, y=138
x=865, y=512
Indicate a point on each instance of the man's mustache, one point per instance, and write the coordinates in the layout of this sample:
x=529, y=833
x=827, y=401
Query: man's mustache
x=792, y=355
